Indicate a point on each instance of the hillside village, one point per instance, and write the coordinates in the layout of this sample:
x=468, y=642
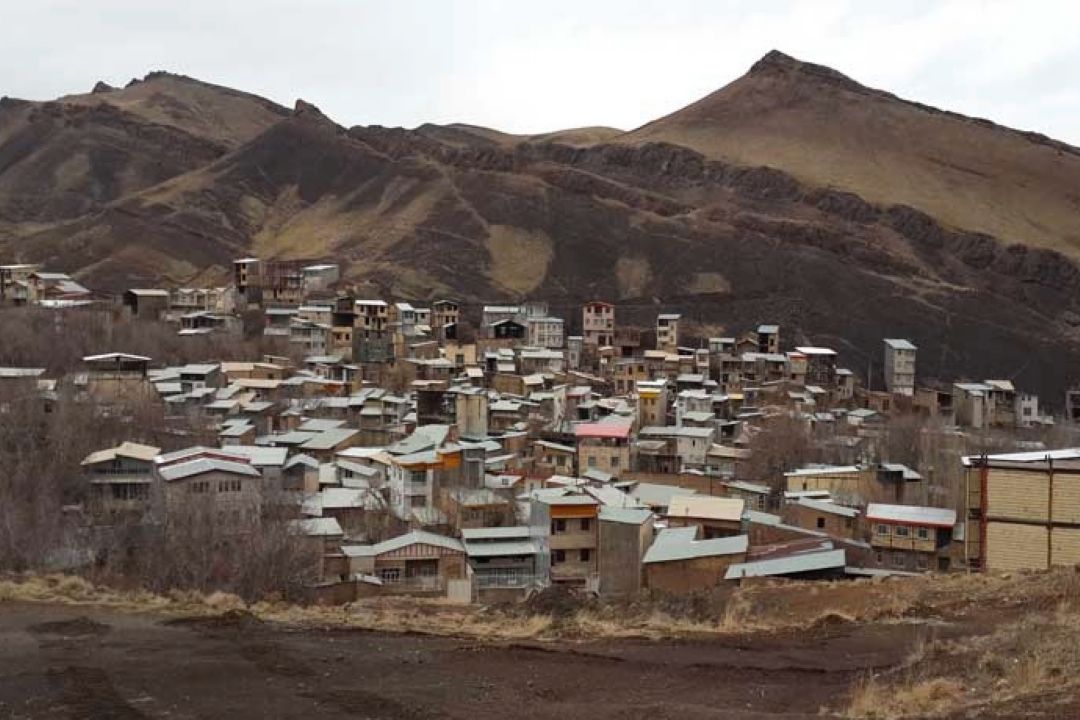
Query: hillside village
x=484, y=454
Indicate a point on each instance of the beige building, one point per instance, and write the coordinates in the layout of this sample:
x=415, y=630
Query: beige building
x=598, y=323
x=910, y=538
x=603, y=446
x=1023, y=510
x=667, y=332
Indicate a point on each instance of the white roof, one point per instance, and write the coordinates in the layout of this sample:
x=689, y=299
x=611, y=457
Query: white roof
x=911, y=515
x=1034, y=456
x=124, y=449
x=790, y=565
x=707, y=507
x=809, y=350
x=827, y=507
x=899, y=344
x=114, y=356
x=318, y=527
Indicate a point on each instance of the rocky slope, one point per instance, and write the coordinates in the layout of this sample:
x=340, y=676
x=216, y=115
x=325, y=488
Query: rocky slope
x=633, y=217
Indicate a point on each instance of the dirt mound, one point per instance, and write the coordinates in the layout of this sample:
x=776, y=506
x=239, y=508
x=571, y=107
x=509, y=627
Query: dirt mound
x=78, y=627
x=231, y=620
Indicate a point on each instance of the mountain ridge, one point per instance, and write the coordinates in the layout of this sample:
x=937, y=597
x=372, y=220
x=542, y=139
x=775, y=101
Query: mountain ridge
x=644, y=221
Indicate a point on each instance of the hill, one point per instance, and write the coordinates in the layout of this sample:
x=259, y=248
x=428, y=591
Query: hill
x=567, y=217
x=826, y=129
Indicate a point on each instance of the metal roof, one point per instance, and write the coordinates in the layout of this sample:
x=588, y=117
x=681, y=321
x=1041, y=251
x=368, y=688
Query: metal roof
x=911, y=515
x=328, y=439
x=202, y=465
x=502, y=549
x=625, y=515
x=790, y=565
x=318, y=527
x=706, y=507
x=827, y=507
x=124, y=449
x=899, y=344
x=675, y=544
x=494, y=533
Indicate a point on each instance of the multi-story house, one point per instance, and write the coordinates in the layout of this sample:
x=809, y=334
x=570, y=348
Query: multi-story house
x=545, y=332
x=667, y=332
x=910, y=537
x=598, y=323
x=120, y=480
x=565, y=521
x=900, y=366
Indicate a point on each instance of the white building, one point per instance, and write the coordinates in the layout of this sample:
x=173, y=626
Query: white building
x=899, y=366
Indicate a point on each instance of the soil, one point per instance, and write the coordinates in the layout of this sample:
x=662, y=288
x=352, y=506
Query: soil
x=80, y=662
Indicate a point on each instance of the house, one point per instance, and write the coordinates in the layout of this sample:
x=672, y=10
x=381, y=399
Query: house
x=911, y=537
x=667, y=332
x=146, y=304
x=603, y=445
x=445, y=316
x=828, y=517
x=545, y=332
x=626, y=533
x=809, y=558
x=566, y=522
x=768, y=337
x=114, y=378
x=121, y=480
x=678, y=562
x=201, y=486
x=717, y=517
x=900, y=366
x=552, y=458
x=418, y=562
x=652, y=402
x=14, y=282
x=820, y=364
x=55, y=290
x=477, y=507
x=598, y=323
x=1022, y=510
x=504, y=561
x=755, y=495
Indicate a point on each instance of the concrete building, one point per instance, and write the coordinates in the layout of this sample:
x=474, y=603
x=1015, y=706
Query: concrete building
x=598, y=323
x=667, y=332
x=545, y=332
x=625, y=536
x=900, y=367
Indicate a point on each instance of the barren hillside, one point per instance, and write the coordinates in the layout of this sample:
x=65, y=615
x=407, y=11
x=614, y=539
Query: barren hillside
x=660, y=218
x=826, y=129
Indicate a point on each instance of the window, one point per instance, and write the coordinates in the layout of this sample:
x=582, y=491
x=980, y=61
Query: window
x=821, y=522
x=923, y=533
x=615, y=463
x=586, y=524
x=898, y=559
x=902, y=531
x=558, y=526
x=390, y=575
x=558, y=556
x=921, y=561
x=417, y=501
x=585, y=555
x=882, y=529
x=880, y=558
x=592, y=461
x=848, y=523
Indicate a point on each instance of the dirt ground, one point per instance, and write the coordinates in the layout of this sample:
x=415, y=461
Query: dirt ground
x=83, y=662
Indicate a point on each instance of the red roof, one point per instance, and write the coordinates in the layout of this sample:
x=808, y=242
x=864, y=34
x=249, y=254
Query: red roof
x=617, y=431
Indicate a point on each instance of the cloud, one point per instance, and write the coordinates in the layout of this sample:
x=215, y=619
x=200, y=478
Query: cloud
x=541, y=66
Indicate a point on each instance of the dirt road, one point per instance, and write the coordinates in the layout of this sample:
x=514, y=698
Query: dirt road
x=78, y=662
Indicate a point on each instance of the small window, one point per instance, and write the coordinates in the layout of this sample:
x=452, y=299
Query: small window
x=880, y=558
x=898, y=559
x=586, y=524
x=902, y=531
x=882, y=529
x=558, y=526
x=921, y=562
x=585, y=555
x=923, y=533
x=558, y=556
x=821, y=522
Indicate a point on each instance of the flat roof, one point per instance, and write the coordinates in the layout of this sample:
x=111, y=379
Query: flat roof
x=911, y=515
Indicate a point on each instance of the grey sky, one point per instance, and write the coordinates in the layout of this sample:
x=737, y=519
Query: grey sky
x=543, y=66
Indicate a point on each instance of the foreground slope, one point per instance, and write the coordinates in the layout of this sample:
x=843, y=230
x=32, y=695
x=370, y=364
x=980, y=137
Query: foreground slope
x=827, y=129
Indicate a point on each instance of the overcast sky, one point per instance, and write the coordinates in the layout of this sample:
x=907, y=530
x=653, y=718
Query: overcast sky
x=533, y=67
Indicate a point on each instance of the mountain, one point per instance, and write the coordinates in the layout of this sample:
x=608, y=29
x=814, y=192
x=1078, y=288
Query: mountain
x=826, y=129
x=666, y=221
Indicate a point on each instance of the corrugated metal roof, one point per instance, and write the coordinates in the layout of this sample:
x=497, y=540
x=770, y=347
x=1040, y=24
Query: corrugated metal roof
x=202, y=465
x=827, y=507
x=318, y=527
x=911, y=514
x=675, y=544
x=706, y=507
x=625, y=515
x=791, y=565
x=494, y=533
x=502, y=549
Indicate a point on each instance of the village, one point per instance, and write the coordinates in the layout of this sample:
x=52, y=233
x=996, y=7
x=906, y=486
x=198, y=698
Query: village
x=484, y=454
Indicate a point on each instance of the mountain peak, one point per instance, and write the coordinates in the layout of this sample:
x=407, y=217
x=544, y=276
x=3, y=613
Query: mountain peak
x=776, y=62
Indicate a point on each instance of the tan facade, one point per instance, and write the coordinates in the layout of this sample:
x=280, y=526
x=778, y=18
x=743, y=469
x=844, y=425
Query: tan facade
x=683, y=576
